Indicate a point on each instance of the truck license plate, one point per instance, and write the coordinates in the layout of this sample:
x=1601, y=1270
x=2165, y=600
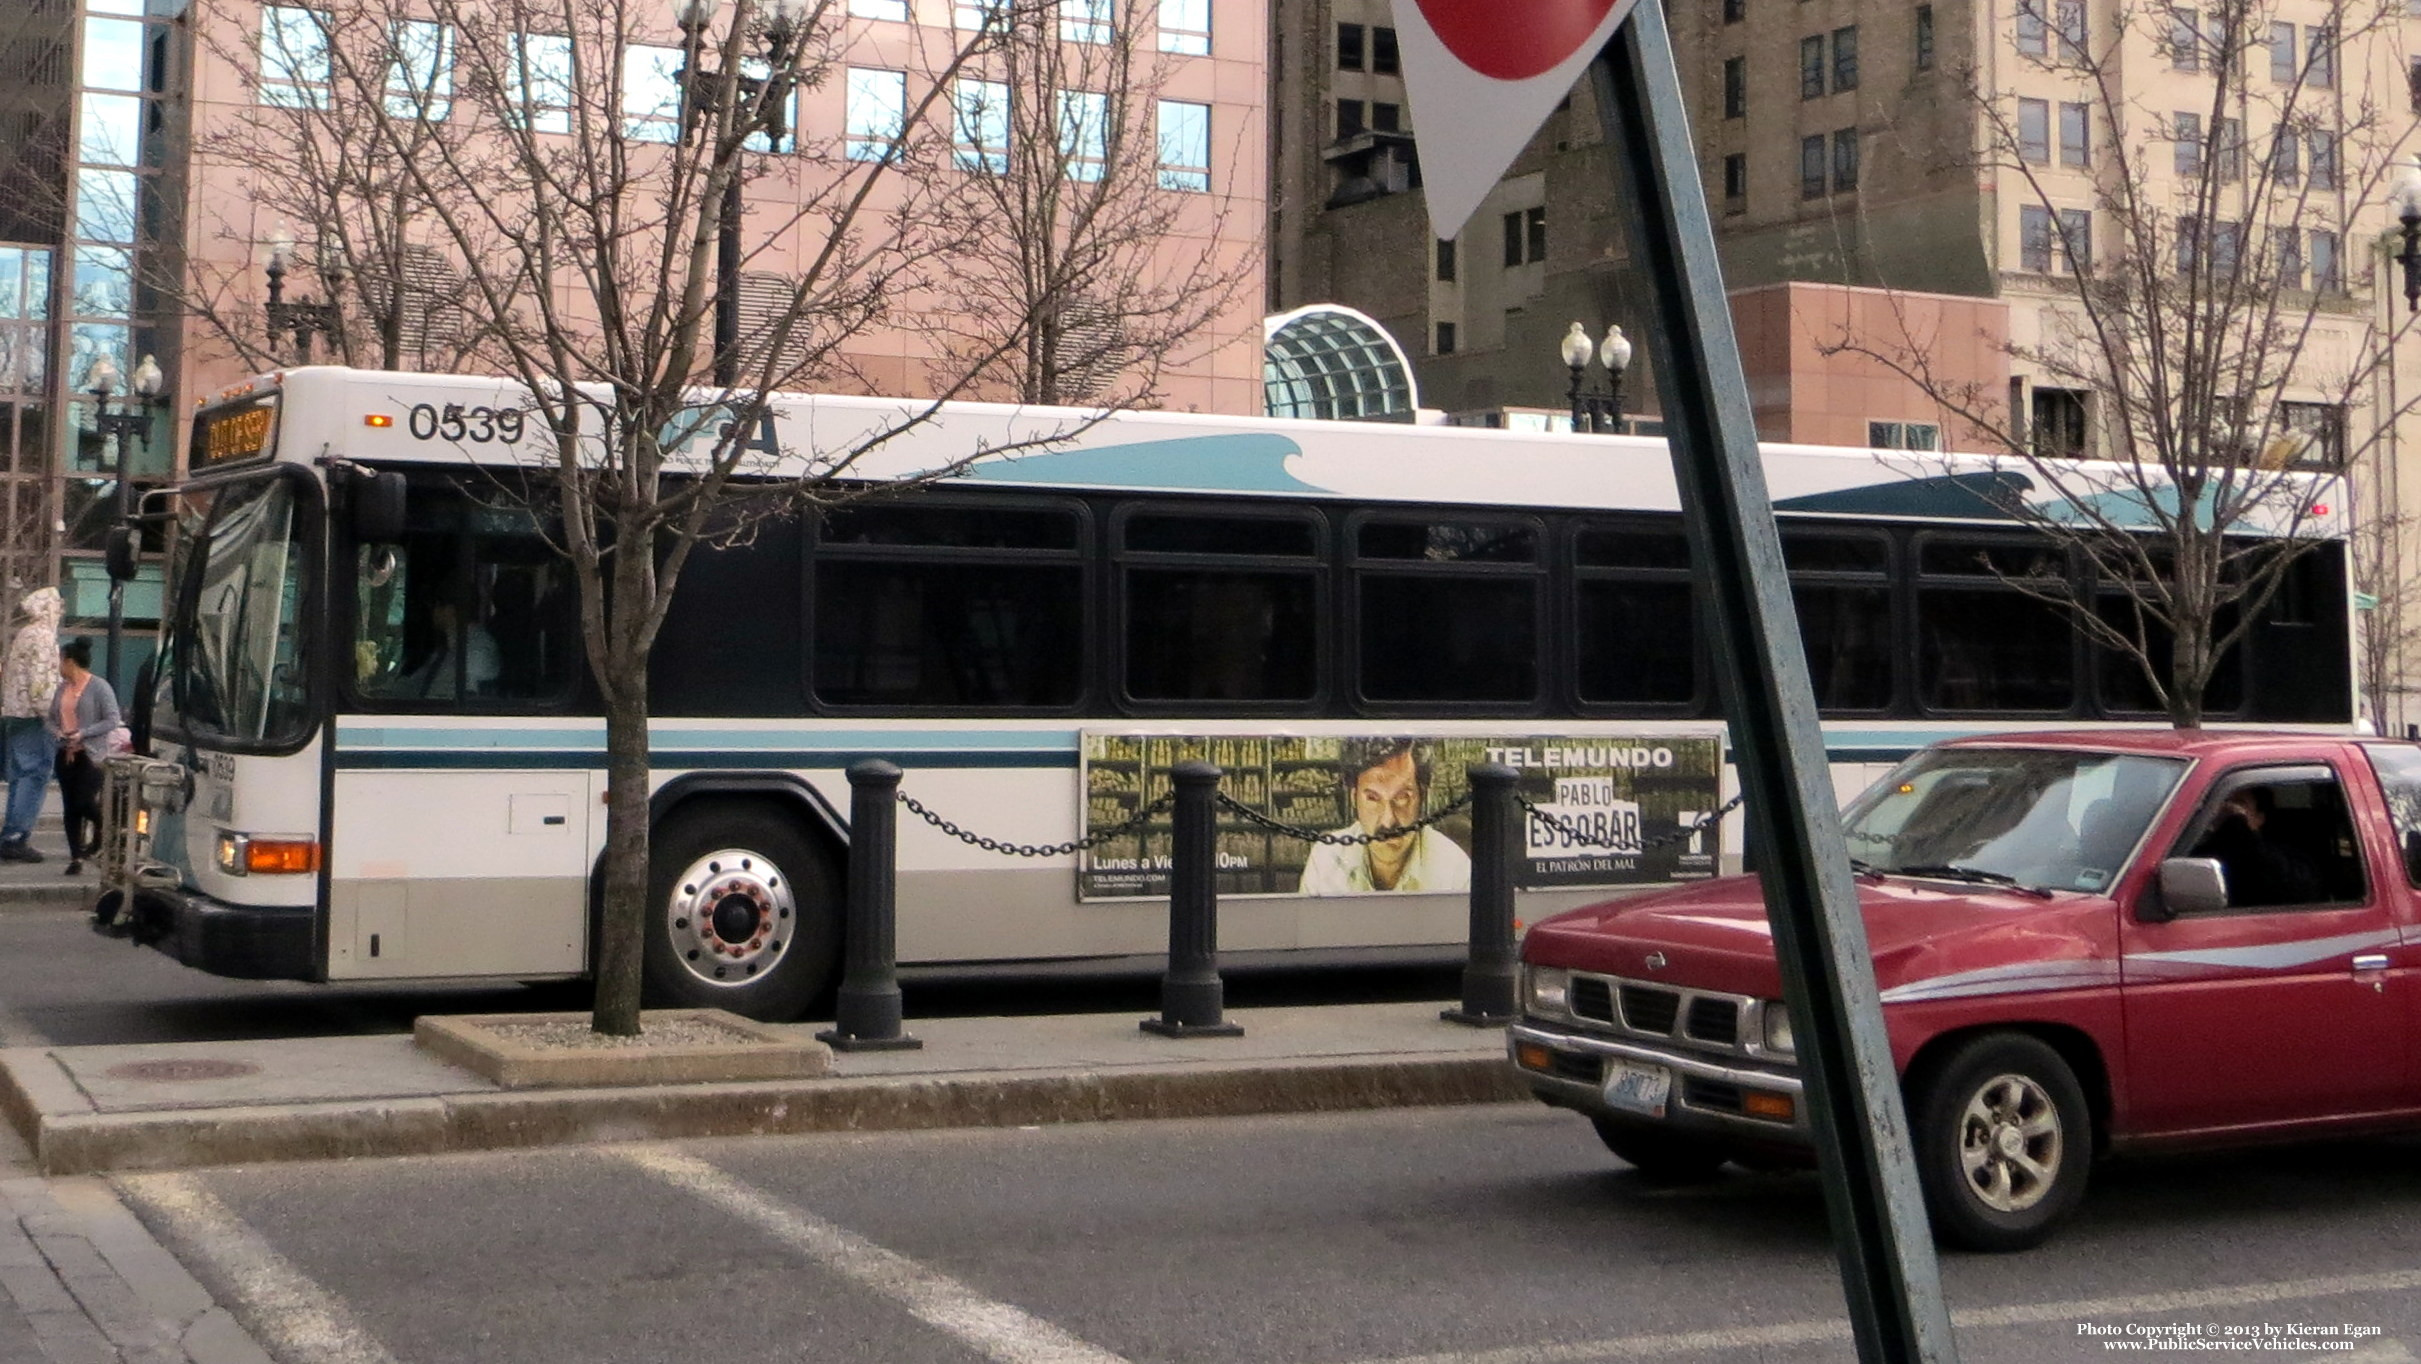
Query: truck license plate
x=1636, y=1088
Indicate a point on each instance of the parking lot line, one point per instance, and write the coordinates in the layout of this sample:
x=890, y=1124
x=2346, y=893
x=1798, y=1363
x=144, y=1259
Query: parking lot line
x=2137, y=1307
x=289, y=1314
x=997, y=1330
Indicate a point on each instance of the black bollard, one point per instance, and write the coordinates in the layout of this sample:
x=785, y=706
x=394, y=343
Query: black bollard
x=1489, y=972
x=868, y=1015
x=1191, y=997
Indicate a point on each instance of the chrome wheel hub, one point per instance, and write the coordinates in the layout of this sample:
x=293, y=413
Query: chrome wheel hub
x=2010, y=1143
x=730, y=917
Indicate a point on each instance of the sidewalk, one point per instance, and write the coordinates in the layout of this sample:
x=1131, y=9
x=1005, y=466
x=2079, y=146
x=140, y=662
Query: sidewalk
x=46, y=884
x=159, y=1106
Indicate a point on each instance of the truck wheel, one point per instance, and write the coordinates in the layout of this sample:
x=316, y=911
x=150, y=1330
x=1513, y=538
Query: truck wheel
x=743, y=914
x=1666, y=1157
x=2003, y=1139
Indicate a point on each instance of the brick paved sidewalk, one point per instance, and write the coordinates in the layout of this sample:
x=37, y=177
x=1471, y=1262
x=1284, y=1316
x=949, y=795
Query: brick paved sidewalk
x=86, y=1283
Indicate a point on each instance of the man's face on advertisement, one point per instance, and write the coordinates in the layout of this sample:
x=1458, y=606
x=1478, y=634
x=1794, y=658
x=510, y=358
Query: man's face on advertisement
x=1388, y=795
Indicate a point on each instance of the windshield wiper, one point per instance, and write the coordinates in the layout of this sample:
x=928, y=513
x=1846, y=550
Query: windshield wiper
x=1976, y=875
x=1865, y=868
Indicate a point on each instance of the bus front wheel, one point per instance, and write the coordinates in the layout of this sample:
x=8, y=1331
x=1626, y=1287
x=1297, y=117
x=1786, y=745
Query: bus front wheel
x=743, y=913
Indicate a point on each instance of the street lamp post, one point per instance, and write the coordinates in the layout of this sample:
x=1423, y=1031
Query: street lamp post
x=1594, y=410
x=117, y=427
x=2406, y=196
x=300, y=318
x=759, y=109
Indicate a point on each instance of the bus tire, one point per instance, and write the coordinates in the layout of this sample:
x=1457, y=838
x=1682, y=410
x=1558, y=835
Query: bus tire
x=743, y=913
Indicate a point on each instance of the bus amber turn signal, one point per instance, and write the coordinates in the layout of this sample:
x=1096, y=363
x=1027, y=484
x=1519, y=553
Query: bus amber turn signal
x=244, y=855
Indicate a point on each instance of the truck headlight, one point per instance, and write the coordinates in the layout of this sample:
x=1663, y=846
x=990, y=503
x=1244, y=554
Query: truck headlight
x=1546, y=990
x=1778, y=1029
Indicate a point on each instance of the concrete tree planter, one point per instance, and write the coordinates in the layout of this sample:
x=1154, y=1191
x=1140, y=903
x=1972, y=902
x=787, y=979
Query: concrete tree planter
x=675, y=1046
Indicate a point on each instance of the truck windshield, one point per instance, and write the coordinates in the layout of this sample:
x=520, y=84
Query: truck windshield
x=239, y=674
x=2034, y=817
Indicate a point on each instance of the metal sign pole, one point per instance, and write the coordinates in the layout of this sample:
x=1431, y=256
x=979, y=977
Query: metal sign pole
x=1870, y=1184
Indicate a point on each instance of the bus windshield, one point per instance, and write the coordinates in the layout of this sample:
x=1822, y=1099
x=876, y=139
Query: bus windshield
x=240, y=673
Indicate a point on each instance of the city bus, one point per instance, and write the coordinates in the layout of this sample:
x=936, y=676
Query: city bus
x=378, y=754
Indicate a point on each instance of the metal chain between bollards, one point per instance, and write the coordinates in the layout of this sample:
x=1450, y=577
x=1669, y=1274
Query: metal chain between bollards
x=1685, y=832
x=1345, y=840
x=1085, y=844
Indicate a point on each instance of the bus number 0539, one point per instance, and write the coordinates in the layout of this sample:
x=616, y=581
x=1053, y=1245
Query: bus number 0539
x=477, y=425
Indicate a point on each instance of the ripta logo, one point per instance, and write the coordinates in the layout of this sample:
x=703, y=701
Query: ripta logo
x=709, y=430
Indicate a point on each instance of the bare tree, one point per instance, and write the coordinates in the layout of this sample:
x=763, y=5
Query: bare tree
x=575, y=179
x=1091, y=188
x=2207, y=320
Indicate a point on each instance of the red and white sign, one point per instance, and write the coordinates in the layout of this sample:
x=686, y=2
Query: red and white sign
x=1481, y=76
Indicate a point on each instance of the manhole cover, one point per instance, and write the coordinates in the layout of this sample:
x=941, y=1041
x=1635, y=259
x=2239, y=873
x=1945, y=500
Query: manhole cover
x=182, y=1070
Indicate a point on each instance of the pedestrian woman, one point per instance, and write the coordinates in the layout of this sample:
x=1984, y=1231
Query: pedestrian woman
x=84, y=723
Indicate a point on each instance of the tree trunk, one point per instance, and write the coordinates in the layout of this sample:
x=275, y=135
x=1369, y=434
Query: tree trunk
x=622, y=925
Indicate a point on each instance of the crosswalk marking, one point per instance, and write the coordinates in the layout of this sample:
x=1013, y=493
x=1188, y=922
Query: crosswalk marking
x=995, y=1329
x=291, y=1316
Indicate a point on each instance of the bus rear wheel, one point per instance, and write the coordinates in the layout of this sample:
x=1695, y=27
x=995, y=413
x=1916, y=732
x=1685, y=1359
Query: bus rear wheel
x=743, y=914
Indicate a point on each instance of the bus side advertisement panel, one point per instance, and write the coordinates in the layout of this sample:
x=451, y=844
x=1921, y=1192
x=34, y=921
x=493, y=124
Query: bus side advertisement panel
x=1602, y=810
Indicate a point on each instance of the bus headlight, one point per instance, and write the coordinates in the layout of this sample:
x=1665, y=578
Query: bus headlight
x=1778, y=1029
x=245, y=855
x=1546, y=990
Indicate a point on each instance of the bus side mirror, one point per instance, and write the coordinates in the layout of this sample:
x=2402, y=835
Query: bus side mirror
x=123, y=553
x=378, y=508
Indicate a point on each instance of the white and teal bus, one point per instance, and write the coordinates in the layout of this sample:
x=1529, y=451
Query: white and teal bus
x=388, y=763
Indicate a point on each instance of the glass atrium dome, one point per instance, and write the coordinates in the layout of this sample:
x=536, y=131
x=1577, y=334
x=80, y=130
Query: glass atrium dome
x=1335, y=364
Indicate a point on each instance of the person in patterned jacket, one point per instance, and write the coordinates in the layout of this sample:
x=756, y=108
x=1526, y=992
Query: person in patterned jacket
x=28, y=676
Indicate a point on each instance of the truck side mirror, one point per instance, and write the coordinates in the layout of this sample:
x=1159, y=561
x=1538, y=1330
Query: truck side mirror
x=378, y=507
x=122, y=552
x=2188, y=885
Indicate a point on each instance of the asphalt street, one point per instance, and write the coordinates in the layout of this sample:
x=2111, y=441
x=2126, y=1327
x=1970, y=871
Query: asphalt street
x=1490, y=1235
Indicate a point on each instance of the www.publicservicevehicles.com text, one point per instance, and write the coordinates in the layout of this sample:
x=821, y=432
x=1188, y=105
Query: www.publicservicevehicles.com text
x=2227, y=1336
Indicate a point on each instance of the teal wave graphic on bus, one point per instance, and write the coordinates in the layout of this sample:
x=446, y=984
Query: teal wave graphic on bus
x=2000, y=495
x=1243, y=462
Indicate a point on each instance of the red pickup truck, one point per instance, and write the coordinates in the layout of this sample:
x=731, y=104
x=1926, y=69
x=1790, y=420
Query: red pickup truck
x=2085, y=942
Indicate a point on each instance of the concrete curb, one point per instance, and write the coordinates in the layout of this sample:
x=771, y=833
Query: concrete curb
x=86, y=1143
x=63, y=893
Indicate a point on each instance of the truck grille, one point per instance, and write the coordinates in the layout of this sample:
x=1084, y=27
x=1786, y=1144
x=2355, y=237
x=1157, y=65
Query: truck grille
x=1714, y=1096
x=1573, y=1065
x=1639, y=1008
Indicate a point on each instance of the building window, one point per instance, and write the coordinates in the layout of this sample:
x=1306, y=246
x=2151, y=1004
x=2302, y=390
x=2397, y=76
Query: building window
x=541, y=82
x=877, y=112
x=420, y=70
x=2185, y=133
x=1525, y=237
x=2286, y=159
x=2034, y=131
x=1349, y=47
x=1185, y=27
x=1445, y=338
x=979, y=120
x=1184, y=145
x=1845, y=58
x=2058, y=426
x=1084, y=120
x=895, y=11
x=1845, y=160
x=2227, y=148
x=1925, y=37
x=294, y=58
x=2412, y=83
x=2076, y=239
x=2033, y=35
x=1735, y=87
x=2189, y=245
x=2227, y=249
x=1534, y=229
x=2319, y=429
x=1385, y=117
x=2072, y=30
x=1734, y=11
x=2324, y=160
x=1513, y=240
x=2185, y=39
x=651, y=93
x=1086, y=21
x=2076, y=135
x=1349, y=118
x=2034, y=239
x=1811, y=67
x=1811, y=167
x=1904, y=435
x=2320, y=54
x=2290, y=258
x=981, y=16
x=1385, y=58
x=1735, y=178
x=2282, y=53
x=1445, y=260
x=2325, y=278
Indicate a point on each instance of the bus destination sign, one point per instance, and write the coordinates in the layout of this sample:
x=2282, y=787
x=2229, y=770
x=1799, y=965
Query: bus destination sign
x=236, y=432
